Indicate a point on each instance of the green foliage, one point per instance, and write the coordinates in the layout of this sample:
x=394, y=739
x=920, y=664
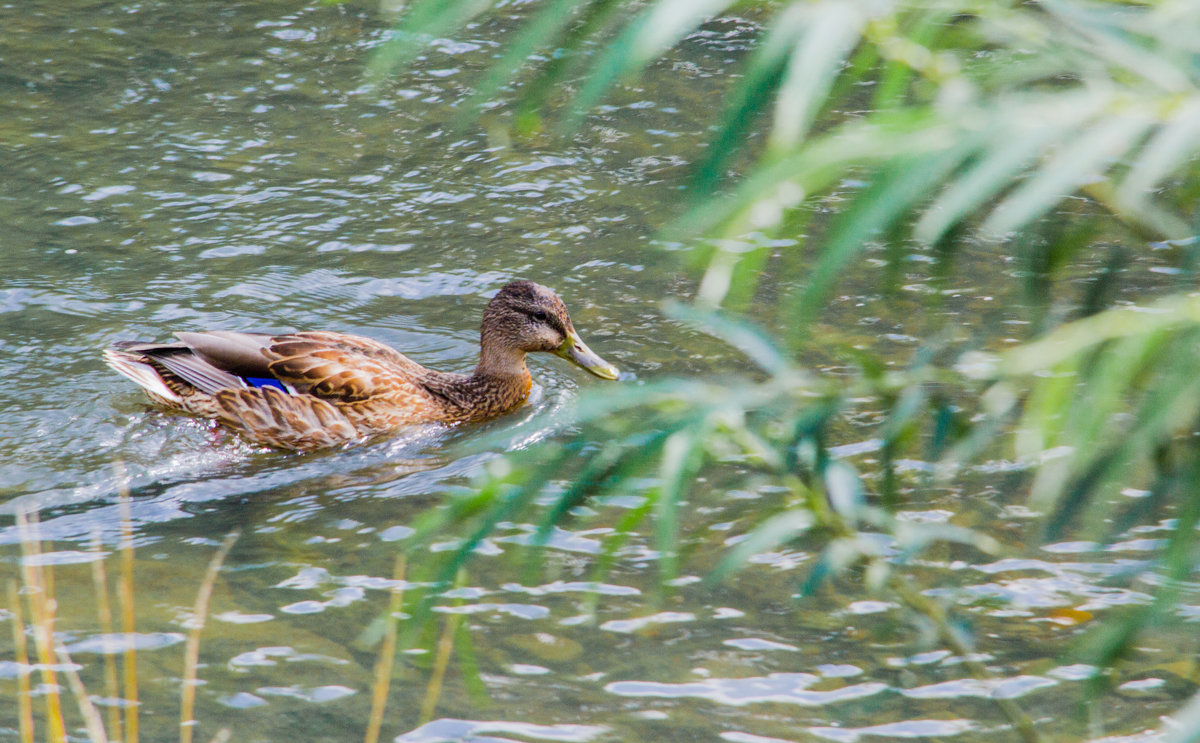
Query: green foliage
x=968, y=121
x=1027, y=103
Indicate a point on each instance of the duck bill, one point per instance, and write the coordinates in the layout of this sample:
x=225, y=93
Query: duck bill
x=576, y=351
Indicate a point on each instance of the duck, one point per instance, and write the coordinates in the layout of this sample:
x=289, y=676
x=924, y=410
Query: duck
x=312, y=390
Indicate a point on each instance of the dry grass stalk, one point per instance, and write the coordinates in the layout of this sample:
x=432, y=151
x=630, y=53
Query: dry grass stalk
x=24, y=699
x=191, y=656
x=104, y=613
x=91, y=718
x=129, y=662
x=41, y=608
x=440, y=662
x=39, y=579
x=125, y=597
x=387, y=656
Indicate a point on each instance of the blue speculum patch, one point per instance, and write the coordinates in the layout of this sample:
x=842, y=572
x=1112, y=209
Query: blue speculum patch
x=265, y=382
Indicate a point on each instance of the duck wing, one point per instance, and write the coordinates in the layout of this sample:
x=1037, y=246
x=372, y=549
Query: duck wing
x=293, y=390
x=274, y=417
x=178, y=359
x=340, y=367
x=332, y=366
x=240, y=354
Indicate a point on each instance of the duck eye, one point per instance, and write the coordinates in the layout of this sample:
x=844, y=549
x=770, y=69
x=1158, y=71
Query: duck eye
x=540, y=316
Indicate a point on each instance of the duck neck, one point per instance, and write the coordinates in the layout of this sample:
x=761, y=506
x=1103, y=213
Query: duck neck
x=501, y=362
x=500, y=382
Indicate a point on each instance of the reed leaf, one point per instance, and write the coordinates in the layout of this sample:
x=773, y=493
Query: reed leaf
x=831, y=31
x=1062, y=174
x=652, y=32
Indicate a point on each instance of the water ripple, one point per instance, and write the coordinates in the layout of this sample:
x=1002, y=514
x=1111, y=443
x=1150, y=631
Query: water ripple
x=440, y=731
x=638, y=624
x=1000, y=688
x=785, y=688
x=316, y=694
x=119, y=642
x=273, y=656
x=893, y=730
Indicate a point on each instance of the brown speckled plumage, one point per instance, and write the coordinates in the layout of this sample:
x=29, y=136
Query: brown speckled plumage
x=332, y=388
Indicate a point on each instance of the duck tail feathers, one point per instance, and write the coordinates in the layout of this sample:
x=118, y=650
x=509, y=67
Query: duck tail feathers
x=132, y=366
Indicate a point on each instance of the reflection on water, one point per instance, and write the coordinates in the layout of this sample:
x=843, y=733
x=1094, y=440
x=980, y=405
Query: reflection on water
x=443, y=730
x=213, y=165
x=785, y=688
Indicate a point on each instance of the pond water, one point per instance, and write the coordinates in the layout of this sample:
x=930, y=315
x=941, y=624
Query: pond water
x=169, y=166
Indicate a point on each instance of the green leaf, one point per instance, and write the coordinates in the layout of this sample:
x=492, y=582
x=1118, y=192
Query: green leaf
x=743, y=336
x=1171, y=148
x=770, y=534
x=571, y=56
x=1013, y=143
x=844, y=489
x=831, y=31
x=912, y=538
x=1107, y=140
x=1073, y=338
x=424, y=21
x=681, y=458
x=622, y=532
x=546, y=25
x=891, y=89
x=892, y=193
x=1107, y=40
x=607, y=470
x=761, y=78
x=838, y=556
x=468, y=666
x=1184, y=725
x=510, y=501
x=774, y=185
x=655, y=30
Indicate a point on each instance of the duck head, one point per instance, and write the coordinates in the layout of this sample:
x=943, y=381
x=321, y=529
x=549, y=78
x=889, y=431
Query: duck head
x=526, y=317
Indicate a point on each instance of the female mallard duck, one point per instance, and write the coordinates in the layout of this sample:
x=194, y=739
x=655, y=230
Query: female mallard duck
x=316, y=389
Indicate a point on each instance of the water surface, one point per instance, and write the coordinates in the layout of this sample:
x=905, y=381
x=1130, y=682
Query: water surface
x=211, y=165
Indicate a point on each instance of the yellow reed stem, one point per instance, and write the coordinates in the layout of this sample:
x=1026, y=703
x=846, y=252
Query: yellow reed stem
x=91, y=718
x=87, y=710
x=440, y=662
x=24, y=699
x=387, y=656
x=41, y=610
x=125, y=598
x=104, y=613
x=191, y=654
